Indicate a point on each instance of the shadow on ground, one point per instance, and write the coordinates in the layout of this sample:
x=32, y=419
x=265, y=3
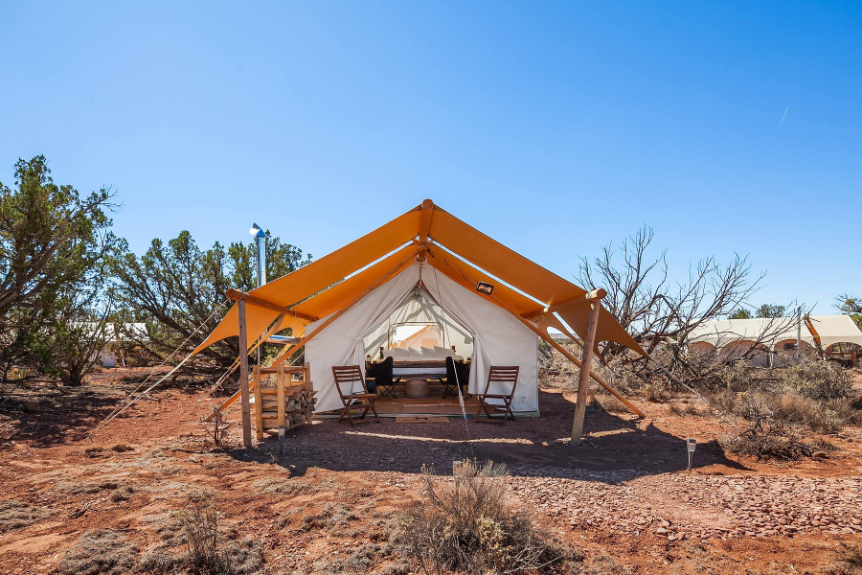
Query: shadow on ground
x=617, y=448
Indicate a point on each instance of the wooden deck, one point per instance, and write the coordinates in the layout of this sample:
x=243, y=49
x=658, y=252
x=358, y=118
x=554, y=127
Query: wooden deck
x=433, y=406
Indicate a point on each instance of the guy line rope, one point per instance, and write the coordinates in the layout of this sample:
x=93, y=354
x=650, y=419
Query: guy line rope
x=128, y=401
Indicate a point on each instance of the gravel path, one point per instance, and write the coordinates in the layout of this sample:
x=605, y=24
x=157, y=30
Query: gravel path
x=680, y=506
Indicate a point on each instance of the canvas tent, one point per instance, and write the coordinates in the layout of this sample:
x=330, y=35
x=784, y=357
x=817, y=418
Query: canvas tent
x=775, y=335
x=335, y=303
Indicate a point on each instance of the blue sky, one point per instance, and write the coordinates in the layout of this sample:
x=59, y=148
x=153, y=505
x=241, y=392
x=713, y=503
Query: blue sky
x=553, y=127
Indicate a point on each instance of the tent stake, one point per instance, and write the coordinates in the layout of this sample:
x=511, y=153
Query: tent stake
x=594, y=297
x=243, y=376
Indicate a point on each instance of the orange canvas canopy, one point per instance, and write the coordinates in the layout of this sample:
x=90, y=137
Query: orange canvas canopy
x=454, y=248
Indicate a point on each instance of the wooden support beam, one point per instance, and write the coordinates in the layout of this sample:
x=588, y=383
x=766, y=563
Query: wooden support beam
x=280, y=384
x=238, y=295
x=550, y=341
x=425, y=222
x=586, y=363
x=258, y=402
x=590, y=295
x=243, y=376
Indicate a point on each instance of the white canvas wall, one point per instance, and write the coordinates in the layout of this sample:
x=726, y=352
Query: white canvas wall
x=498, y=338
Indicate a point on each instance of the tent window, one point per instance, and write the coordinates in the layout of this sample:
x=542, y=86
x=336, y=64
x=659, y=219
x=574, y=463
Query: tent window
x=416, y=335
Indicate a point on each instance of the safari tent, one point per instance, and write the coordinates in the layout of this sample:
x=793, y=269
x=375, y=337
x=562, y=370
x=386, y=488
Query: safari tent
x=772, y=341
x=490, y=302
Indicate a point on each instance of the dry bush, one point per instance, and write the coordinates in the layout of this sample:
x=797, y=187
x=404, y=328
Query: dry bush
x=216, y=429
x=608, y=403
x=824, y=417
x=683, y=409
x=821, y=380
x=849, y=560
x=207, y=551
x=772, y=444
x=465, y=525
x=102, y=551
x=724, y=402
x=15, y=514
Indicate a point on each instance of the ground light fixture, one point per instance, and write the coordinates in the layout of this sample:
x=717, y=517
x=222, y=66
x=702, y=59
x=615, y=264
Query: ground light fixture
x=484, y=288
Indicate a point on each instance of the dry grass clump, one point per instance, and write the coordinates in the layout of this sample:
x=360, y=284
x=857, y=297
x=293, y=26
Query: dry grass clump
x=770, y=436
x=15, y=515
x=826, y=417
x=608, y=403
x=773, y=444
x=465, y=525
x=102, y=551
x=207, y=550
x=849, y=560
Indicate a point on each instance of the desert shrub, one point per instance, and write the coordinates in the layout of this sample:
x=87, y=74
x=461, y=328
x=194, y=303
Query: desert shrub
x=15, y=514
x=124, y=493
x=772, y=444
x=216, y=429
x=207, y=551
x=465, y=525
x=824, y=417
x=608, y=403
x=849, y=560
x=684, y=409
x=160, y=561
x=102, y=551
x=724, y=401
x=815, y=379
x=199, y=520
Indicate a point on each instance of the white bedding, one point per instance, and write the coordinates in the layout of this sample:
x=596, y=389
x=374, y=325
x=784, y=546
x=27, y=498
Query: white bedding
x=424, y=353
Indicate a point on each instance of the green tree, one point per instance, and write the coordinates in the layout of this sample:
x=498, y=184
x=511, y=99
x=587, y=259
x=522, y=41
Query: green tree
x=176, y=286
x=51, y=242
x=740, y=313
x=771, y=310
x=850, y=305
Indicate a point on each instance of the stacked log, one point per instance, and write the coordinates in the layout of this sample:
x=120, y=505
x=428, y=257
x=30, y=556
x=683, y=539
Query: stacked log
x=299, y=402
x=300, y=406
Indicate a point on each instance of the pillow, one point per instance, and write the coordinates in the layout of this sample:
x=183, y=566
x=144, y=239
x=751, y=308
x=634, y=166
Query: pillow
x=395, y=353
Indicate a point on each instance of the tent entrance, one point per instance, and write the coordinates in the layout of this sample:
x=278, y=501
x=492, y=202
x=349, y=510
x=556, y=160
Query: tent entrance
x=418, y=337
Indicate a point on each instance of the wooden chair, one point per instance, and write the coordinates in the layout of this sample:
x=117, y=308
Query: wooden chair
x=503, y=375
x=348, y=375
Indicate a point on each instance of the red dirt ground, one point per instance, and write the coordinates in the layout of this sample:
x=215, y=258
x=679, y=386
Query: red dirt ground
x=623, y=498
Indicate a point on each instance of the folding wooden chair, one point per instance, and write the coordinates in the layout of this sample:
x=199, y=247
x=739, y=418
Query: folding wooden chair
x=503, y=375
x=348, y=375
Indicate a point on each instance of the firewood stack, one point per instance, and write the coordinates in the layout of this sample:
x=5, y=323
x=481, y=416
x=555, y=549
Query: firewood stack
x=300, y=406
x=286, y=404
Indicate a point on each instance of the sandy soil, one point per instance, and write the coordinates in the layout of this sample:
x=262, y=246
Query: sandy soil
x=324, y=502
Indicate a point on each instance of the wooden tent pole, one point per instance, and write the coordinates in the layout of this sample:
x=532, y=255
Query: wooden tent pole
x=552, y=343
x=595, y=300
x=243, y=376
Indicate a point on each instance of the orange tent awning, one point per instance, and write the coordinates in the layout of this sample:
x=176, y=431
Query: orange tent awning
x=323, y=286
